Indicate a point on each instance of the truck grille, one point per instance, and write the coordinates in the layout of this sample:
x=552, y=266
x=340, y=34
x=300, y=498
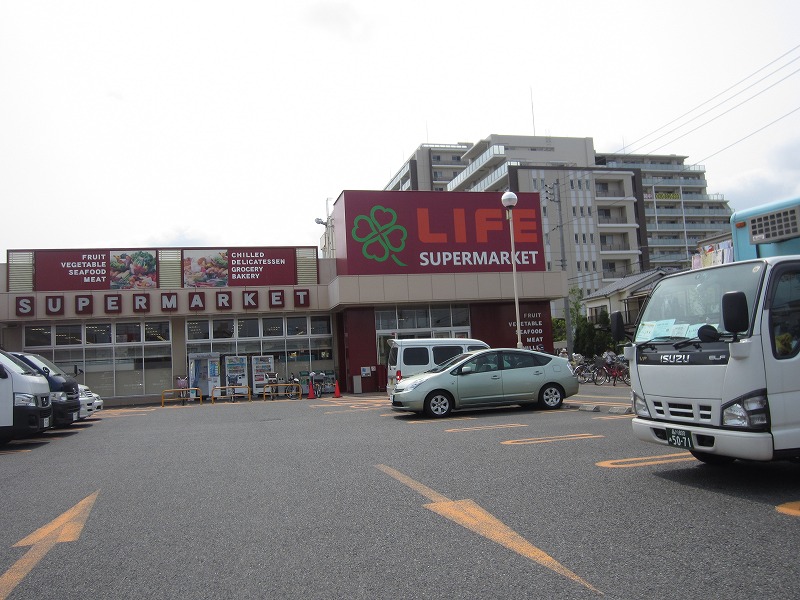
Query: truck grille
x=682, y=411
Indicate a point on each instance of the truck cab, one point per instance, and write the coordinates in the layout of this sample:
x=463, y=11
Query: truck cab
x=24, y=400
x=715, y=362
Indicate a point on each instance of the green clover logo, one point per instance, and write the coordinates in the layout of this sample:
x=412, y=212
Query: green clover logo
x=380, y=234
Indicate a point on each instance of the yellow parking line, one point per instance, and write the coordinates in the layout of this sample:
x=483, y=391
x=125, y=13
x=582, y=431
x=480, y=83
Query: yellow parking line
x=645, y=461
x=790, y=508
x=557, y=438
x=486, y=427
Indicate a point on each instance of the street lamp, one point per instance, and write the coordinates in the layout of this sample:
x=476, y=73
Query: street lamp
x=509, y=200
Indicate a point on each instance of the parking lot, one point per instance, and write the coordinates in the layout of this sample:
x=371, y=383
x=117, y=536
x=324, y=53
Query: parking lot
x=343, y=498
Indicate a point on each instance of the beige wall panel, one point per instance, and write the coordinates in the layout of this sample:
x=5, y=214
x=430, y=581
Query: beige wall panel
x=396, y=288
x=467, y=286
x=443, y=287
x=420, y=288
x=489, y=284
x=371, y=289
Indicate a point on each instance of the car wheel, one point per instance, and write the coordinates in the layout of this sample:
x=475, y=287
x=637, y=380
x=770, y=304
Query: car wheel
x=712, y=459
x=438, y=404
x=551, y=396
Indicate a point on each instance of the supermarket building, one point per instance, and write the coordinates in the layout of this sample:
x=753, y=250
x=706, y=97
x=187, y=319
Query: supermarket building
x=128, y=321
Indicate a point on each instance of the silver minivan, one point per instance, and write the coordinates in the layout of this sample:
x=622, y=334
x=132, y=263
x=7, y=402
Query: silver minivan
x=415, y=355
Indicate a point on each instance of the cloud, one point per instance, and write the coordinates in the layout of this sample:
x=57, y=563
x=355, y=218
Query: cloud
x=339, y=18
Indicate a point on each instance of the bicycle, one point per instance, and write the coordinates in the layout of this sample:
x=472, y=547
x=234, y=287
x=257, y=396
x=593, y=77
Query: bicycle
x=612, y=372
x=291, y=388
x=183, y=386
x=586, y=371
x=319, y=387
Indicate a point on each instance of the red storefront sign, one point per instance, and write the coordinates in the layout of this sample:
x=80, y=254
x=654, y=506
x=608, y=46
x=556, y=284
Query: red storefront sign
x=380, y=233
x=239, y=267
x=95, y=270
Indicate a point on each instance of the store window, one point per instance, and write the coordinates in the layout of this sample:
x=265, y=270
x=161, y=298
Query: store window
x=386, y=319
x=441, y=317
x=98, y=333
x=69, y=335
x=156, y=331
x=320, y=325
x=38, y=335
x=272, y=326
x=222, y=329
x=247, y=328
x=460, y=316
x=128, y=333
x=413, y=318
x=296, y=326
x=197, y=330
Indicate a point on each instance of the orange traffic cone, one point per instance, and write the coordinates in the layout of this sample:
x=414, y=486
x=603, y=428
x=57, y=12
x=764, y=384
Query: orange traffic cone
x=311, y=395
x=336, y=393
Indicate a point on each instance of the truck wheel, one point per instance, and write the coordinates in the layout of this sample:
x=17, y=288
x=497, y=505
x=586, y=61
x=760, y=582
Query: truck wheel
x=712, y=459
x=438, y=404
x=551, y=396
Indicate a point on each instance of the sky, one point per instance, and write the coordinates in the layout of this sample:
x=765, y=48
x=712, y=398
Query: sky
x=179, y=123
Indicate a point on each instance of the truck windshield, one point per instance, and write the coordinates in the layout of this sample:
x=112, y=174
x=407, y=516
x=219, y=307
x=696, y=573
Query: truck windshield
x=680, y=304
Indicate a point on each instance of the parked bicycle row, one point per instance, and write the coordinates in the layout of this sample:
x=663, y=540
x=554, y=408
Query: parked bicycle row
x=599, y=370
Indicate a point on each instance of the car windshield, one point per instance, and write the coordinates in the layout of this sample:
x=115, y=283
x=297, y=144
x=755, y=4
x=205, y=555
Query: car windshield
x=679, y=305
x=43, y=363
x=448, y=363
x=17, y=365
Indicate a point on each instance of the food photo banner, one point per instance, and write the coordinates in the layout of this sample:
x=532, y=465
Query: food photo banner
x=239, y=267
x=84, y=270
x=95, y=270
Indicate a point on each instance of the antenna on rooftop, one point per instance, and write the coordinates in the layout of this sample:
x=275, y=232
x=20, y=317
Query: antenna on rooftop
x=533, y=116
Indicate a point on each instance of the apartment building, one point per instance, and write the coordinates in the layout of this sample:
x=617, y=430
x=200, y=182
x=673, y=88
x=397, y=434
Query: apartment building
x=619, y=214
x=679, y=212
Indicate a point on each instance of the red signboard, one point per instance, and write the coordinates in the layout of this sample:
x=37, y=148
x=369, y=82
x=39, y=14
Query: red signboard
x=380, y=233
x=95, y=270
x=239, y=267
x=83, y=270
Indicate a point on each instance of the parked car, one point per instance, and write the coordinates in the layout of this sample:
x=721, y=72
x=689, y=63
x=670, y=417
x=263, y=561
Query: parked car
x=492, y=377
x=92, y=398
x=410, y=356
x=24, y=400
x=64, y=394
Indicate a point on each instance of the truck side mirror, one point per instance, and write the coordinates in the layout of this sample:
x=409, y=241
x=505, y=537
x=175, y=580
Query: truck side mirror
x=617, y=326
x=735, y=316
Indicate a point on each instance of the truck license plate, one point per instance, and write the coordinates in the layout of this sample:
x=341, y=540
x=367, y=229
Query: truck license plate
x=680, y=438
x=46, y=422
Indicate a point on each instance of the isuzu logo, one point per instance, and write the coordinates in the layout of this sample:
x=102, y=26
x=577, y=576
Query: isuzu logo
x=675, y=358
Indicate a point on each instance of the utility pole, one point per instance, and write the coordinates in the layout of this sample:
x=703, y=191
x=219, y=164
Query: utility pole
x=553, y=193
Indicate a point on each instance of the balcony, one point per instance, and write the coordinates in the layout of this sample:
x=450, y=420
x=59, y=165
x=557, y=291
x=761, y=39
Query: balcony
x=656, y=167
x=494, y=155
x=664, y=182
x=615, y=247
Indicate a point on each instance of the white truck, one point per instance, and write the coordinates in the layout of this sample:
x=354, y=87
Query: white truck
x=715, y=358
x=24, y=400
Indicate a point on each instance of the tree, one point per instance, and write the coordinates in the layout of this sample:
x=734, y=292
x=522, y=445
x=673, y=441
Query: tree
x=559, y=330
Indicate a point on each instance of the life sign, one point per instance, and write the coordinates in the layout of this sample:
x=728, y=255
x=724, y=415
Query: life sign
x=435, y=232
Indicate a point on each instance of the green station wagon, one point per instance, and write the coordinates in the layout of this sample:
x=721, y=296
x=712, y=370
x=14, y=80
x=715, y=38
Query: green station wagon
x=493, y=377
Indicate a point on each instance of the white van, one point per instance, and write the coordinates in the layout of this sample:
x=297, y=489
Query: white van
x=24, y=400
x=416, y=355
